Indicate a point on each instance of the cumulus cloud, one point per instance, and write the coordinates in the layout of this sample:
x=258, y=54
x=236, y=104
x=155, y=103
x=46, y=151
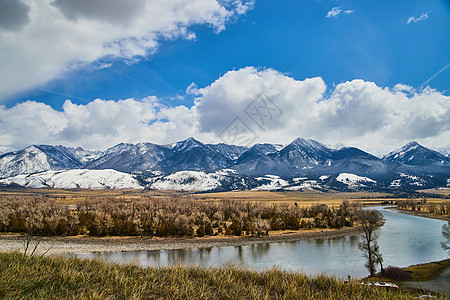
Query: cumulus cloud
x=13, y=15
x=96, y=125
x=40, y=40
x=114, y=11
x=423, y=16
x=356, y=113
x=336, y=11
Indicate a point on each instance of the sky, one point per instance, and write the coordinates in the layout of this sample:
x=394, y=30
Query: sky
x=95, y=73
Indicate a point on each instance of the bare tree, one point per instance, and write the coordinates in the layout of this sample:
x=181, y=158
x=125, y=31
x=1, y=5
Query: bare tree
x=370, y=221
x=446, y=234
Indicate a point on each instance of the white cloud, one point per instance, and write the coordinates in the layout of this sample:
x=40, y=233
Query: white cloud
x=399, y=87
x=336, y=11
x=357, y=113
x=97, y=125
x=192, y=89
x=422, y=17
x=40, y=40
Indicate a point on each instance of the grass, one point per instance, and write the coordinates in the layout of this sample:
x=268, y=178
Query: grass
x=302, y=198
x=61, y=278
x=427, y=271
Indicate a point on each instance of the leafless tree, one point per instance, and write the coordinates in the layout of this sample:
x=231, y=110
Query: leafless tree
x=370, y=221
x=446, y=234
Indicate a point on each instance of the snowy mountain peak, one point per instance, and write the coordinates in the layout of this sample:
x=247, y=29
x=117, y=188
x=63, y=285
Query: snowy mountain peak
x=306, y=143
x=309, y=151
x=309, y=144
x=415, y=154
x=412, y=145
x=403, y=151
x=187, y=145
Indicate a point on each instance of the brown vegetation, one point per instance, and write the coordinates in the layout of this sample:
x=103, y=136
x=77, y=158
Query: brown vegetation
x=434, y=209
x=39, y=277
x=147, y=216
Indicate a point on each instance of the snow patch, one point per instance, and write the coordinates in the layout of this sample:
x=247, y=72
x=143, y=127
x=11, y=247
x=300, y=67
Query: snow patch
x=188, y=181
x=79, y=178
x=353, y=181
x=305, y=185
x=275, y=183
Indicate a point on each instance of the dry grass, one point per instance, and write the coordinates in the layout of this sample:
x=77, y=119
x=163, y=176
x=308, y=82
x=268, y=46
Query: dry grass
x=302, y=198
x=427, y=271
x=439, y=191
x=59, y=278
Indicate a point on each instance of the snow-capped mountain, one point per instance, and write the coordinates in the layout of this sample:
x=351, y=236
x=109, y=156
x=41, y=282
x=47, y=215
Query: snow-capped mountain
x=444, y=151
x=192, y=155
x=354, y=160
x=417, y=155
x=257, y=151
x=39, y=158
x=230, y=152
x=4, y=150
x=130, y=157
x=296, y=159
x=192, y=165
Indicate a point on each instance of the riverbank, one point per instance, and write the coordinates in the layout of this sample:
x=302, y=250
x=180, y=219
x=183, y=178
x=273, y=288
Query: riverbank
x=433, y=276
x=85, y=244
x=423, y=214
x=61, y=278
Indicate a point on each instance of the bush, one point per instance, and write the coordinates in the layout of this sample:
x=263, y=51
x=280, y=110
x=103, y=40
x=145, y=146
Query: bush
x=395, y=273
x=115, y=216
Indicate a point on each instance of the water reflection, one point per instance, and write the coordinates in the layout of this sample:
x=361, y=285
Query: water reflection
x=404, y=240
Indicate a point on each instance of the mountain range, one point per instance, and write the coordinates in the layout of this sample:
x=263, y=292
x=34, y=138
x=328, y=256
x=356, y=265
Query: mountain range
x=192, y=165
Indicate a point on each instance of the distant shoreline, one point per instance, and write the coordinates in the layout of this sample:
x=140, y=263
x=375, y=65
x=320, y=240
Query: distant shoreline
x=420, y=214
x=86, y=244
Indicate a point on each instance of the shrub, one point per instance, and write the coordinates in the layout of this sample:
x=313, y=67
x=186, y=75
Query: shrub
x=396, y=273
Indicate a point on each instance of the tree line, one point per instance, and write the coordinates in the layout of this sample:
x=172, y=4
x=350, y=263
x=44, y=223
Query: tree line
x=422, y=205
x=165, y=218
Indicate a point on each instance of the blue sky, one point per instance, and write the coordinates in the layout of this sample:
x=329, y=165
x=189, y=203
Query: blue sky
x=384, y=43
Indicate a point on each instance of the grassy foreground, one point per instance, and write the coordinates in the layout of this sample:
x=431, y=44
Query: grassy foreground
x=60, y=278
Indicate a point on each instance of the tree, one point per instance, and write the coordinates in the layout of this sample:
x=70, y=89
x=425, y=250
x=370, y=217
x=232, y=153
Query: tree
x=370, y=221
x=446, y=234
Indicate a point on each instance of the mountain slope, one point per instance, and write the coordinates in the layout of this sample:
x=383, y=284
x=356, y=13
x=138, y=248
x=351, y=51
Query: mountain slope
x=256, y=151
x=38, y=158
x=192, y=155
x=72, y=179
x=296, y=159
x=130, y=157
x=415, y=154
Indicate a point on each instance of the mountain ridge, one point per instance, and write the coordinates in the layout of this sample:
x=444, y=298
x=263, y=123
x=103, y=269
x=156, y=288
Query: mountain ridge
x=411, y=166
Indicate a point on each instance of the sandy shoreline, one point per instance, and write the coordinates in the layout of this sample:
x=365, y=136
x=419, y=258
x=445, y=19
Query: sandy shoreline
x=77, y=245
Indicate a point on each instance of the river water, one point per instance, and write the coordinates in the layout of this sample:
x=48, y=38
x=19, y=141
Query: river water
x=404, y=240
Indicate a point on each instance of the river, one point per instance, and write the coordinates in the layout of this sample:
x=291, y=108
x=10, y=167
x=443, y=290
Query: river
x=404, y=240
